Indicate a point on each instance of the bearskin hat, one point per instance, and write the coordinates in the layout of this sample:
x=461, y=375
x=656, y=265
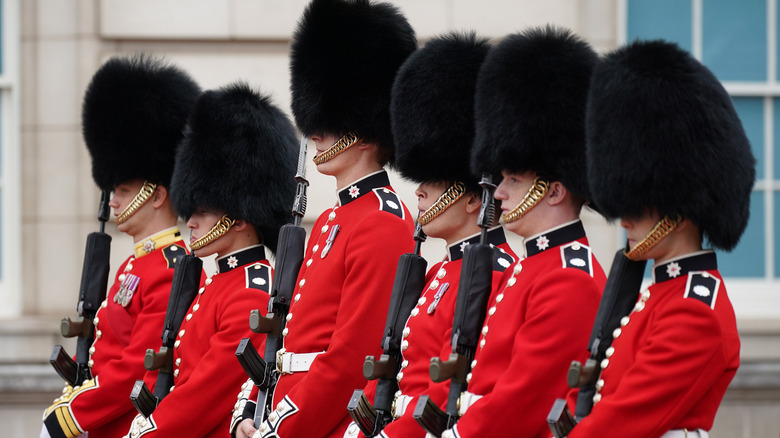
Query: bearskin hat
x=238, y=156
x=343, y=59
x=663, y=135
x=432, y=109
x=530, y=107
x=133, y=116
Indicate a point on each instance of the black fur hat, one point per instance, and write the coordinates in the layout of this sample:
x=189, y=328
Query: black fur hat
x=343, y=59
x=238, y=156
x=432, y=109
x=663, y=134
x=530, y=107
x=133, y=117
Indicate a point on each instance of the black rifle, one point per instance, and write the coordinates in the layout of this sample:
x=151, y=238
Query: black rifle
x=620, y=296
x=407, y=287
x=92, y=292
x=184, y=288
x=470, y=308
x=289, y=258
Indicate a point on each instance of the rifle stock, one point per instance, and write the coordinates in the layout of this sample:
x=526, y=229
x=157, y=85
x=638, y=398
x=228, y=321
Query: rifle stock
x=289, y=258
x=619, y=297
x=408, y=284
x=92, y=293
x=475, y=284
x=184, y=288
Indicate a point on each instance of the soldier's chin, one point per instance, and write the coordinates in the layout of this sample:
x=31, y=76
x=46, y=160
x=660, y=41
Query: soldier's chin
x=326, y=168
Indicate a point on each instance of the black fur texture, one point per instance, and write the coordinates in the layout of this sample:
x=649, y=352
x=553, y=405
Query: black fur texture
x=530, y=107
x=432, y=110
x=133, y=116
x=664, y=135
x=239, y=157
x=343, y=59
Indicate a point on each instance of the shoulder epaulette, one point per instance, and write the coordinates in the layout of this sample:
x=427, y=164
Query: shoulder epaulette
x=501, y=259
x=578, y=256
x=703, y=287
x=172, y=253
x=258, y=276
x=390, y=202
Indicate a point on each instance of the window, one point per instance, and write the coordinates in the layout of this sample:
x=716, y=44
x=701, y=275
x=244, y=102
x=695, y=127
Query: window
x=10, y=161
x=738, y=41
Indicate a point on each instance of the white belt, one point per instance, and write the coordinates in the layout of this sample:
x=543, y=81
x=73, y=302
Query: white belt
x=288, y=363
x=465, y=401
x=684, y=433
x=400, y=403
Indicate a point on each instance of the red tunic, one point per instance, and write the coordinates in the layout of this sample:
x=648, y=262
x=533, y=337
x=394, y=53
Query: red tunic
x=429, y=330
x=123, y=334
x=673, y=359
x=206, y=371
x=339, y=307
x=535, y=327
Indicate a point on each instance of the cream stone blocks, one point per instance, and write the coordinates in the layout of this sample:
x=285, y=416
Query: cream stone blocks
x=161, y=19
x=57, y=18
x=57, y=99
x=265, y=19
x=275, y=19
x=500, y=17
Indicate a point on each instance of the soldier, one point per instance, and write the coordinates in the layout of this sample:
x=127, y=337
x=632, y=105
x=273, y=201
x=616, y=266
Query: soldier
x=667, y=155
x=133, y=114
x=530, y=126
x=343, y=60
x=234, y=183
x=434, y=136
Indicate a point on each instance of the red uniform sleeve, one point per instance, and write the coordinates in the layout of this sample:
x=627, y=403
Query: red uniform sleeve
x=110, y=399
x=205, y=402
x=561, y=309
x=685, y=354
x=372, y=255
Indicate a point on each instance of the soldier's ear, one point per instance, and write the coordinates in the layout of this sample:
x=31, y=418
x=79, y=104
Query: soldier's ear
x=473, y=202
x=362, y=144
x=557, y=193
x=240, y=225
x=160, y=196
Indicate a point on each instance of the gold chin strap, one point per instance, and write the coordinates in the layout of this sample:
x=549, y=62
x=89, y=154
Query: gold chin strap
x=218, y=230
x=535, y=194
x=661, y=229
x=452, y=194
x=340, y=146
x=140, y=199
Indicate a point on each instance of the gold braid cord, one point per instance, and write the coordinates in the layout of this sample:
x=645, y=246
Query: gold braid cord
x=218, y=230
x=661, y=229
x=452, y=194
x=140, y=199
x=535, y=194
x=340, y=146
